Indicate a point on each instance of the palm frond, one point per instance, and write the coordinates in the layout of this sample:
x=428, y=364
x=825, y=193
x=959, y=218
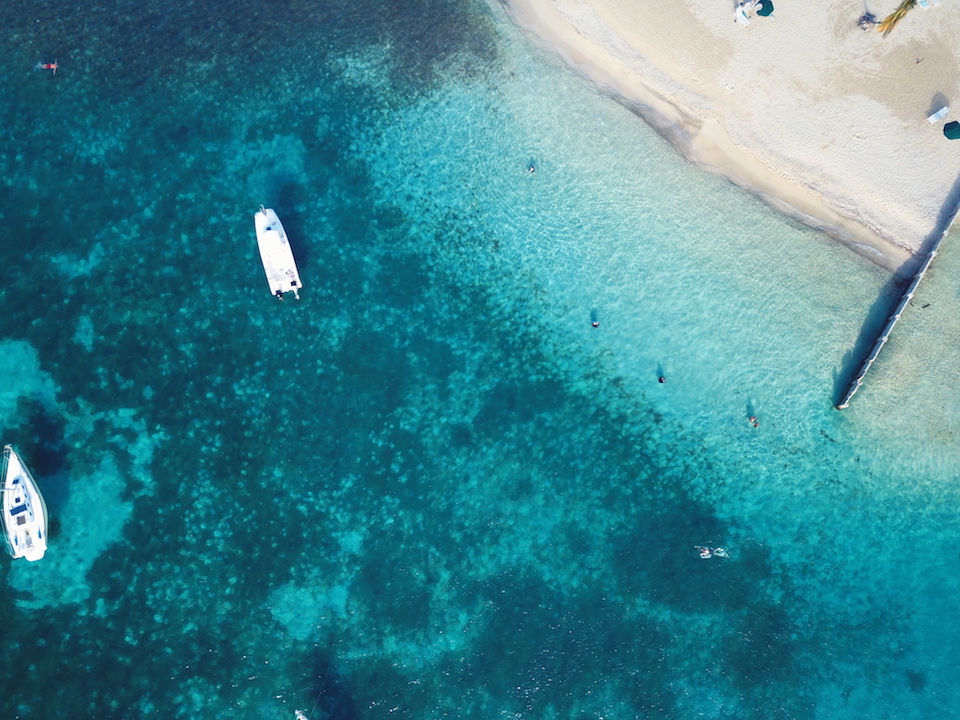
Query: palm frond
x=891, y=20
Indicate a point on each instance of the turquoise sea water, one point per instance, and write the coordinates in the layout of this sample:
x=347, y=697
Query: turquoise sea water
x=431, y=489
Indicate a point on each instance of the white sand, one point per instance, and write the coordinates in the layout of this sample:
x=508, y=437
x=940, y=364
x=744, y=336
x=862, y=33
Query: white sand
x=826, y=121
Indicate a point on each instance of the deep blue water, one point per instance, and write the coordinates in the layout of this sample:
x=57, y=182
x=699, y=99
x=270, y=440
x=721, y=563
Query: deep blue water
x=431, y=489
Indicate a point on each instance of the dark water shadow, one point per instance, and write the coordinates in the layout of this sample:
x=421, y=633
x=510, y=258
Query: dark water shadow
x=658, y=559
x=40, y=443
x=285, y=195
x=873, y=325
x=48, y=452
x=540, y=643
x=889, y=298
x=332, y=700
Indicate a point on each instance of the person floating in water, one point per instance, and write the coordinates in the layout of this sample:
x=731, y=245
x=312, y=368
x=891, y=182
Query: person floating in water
x=48, y=66
x=595, y=323
x=707, y=553
x=661, y=379
x=753, y=421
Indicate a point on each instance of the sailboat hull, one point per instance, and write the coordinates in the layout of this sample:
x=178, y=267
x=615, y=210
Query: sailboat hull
x=24, y=512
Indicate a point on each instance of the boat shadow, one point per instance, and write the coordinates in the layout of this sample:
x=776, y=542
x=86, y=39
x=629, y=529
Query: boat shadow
x=284, y=195
x=329, y=692
x=889, y=298
x=40, y=441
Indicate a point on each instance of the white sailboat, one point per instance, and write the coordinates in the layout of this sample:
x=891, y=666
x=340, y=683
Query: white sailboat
x=275, y=252
x=24, y=512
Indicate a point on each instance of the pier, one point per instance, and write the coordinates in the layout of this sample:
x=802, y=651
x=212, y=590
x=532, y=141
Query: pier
x=901, y=306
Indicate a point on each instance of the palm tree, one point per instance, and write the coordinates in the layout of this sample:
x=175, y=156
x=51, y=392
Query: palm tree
x=891, y=20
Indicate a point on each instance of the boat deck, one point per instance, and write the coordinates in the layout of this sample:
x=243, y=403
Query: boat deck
x=24, y=512
x=276, y=255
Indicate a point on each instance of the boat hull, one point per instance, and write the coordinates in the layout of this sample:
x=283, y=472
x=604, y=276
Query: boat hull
x=276, y=255
x=24, y=512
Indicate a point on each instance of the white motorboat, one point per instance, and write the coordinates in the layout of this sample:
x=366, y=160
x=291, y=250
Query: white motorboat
x=24, y=512
x=275, y=252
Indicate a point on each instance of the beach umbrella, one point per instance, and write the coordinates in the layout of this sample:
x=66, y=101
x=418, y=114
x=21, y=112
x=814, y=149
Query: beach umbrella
x=952, y=130
x=764, y=8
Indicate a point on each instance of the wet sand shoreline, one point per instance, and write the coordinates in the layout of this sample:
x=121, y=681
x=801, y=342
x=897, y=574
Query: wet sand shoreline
x=784, y=127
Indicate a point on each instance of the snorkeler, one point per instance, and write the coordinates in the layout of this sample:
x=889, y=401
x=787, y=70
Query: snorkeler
x=707, y=553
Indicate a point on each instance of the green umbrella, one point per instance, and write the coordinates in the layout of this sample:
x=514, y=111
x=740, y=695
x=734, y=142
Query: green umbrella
x=952, y=130
x=765, y=8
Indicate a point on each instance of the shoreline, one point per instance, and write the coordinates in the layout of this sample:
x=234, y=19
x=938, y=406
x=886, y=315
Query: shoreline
x=781, y=128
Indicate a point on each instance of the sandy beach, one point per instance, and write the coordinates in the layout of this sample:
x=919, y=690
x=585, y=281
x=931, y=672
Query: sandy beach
x=823, y=119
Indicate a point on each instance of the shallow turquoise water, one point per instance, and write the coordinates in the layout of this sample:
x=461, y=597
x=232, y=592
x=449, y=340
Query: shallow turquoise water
x=432, y=488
